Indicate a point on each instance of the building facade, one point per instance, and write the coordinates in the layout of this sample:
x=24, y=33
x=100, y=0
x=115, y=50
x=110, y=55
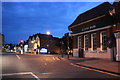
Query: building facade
x=43, y=41
x=66, y=44
x=116, y=27
x=1, y=42
x=92, y=31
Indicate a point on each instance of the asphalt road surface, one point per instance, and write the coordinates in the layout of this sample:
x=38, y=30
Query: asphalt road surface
x=43, y=67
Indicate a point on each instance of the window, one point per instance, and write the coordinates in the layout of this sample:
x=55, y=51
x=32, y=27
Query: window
x=103, y=40
x=94, y=41
x=79, y=42
x=85, y=42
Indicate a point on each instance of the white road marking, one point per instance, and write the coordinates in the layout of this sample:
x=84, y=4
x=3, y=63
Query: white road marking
x=53, y=58
x=18, y=56
x=45, y=63
x=10, y=74
x=95, y=70
x=57, y=58
x=35, y=76
x=23, y=73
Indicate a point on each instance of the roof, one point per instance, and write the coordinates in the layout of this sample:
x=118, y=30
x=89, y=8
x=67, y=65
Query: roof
x=30, y=37
x=43, y=36
x=97, y=11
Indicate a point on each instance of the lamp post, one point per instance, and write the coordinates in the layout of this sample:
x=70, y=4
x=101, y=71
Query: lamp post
x=32, y=46
x=48, y=33
x=21, y=45
x=62, y=44
x=68, y=50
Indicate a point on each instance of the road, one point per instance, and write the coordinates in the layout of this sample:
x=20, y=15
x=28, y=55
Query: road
x=44, y=67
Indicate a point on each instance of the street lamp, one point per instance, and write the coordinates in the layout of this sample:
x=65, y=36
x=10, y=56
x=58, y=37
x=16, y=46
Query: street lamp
x=32, y=41
x=21, y=41
x=21, y=45
x=48, y=32
x=62, y=44
x=68, y=50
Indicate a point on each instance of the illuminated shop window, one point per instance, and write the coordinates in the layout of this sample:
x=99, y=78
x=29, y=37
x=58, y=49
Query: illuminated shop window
x=85, y=42
x=103, y=40
x=94, y=41
x=79, y=42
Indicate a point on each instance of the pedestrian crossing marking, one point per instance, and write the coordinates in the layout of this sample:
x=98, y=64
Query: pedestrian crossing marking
x=56, y=58
x=53, y=58
x=18, y=56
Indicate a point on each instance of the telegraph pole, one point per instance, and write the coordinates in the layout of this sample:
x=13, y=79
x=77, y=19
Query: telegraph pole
x=21, y=45
x=68, y=44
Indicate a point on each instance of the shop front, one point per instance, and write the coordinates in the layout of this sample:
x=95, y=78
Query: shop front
x=92, y=32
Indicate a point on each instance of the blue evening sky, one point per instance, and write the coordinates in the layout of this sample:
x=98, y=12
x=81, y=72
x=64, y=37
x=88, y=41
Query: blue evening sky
x=22, y=19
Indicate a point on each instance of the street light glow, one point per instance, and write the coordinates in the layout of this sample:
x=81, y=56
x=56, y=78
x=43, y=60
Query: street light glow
x=32, y=41
x=48, y=33
x=21, y=41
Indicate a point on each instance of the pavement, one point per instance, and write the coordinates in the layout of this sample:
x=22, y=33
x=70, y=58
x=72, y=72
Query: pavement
x=94, y=63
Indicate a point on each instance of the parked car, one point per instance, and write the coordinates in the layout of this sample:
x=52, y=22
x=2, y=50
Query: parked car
x=52, y=52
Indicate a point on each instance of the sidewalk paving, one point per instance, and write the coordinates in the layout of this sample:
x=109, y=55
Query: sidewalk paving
x=102, y=64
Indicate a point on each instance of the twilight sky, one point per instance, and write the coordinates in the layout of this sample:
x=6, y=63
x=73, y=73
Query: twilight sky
x=22, y=19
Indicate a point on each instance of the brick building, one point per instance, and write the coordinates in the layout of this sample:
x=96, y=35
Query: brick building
x=116, y=27
x=43, y=41
x=92, y=31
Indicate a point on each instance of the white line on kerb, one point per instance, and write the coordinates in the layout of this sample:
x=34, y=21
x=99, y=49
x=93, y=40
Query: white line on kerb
x=18, y=56
x=95, y=70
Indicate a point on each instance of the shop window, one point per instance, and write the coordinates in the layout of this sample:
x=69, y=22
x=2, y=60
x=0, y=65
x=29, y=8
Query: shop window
x=85, y=42
x=103, y=40
x=94, y=41
x=79, y=42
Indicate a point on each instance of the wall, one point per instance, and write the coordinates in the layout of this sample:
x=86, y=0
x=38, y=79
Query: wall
x=96, y=54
